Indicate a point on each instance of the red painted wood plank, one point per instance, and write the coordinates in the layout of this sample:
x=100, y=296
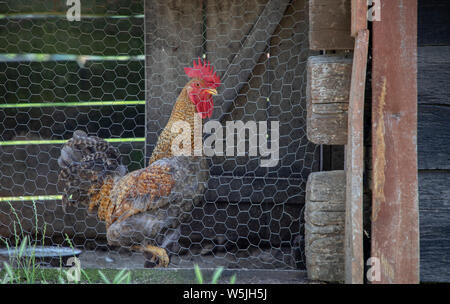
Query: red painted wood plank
x=354, y=256
x=359, y=16
x=395, y=221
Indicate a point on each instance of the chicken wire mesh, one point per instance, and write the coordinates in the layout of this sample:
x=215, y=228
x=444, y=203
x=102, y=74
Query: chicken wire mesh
x=116, y=74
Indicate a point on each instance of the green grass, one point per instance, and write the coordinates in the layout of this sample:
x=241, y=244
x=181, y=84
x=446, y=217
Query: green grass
x=25, y=269
x=215, y=277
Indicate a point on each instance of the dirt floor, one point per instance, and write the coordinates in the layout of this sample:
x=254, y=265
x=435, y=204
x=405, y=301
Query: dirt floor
x=261, y=266
x=262, y=259
x=246, y=269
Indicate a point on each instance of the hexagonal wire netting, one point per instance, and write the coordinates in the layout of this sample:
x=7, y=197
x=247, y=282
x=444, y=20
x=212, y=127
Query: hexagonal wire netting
x=98, y=75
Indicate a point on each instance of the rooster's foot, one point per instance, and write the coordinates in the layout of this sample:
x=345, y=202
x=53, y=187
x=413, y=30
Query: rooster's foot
x=158, y=253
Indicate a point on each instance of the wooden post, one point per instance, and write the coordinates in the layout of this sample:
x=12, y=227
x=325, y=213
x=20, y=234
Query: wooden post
x=244, y=62
x=354, y=156
x=330, y=25
x=324, y=226
x=327, y=97
x=359, y=16
x=354, y=165
x=395, y=220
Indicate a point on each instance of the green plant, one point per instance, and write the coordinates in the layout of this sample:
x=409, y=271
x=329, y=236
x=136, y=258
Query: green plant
x=22, y=266
x=216, y=275
x=121, y=277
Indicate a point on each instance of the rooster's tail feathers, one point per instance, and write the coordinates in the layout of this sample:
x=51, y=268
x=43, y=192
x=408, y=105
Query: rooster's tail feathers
x=85, y=162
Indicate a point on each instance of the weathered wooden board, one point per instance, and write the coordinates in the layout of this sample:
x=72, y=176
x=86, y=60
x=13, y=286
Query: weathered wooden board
x=434, y=139
x=173, y=39
x=433, y=75
x=434, y=206
x=71, y=81
x=228, y=24
x=265, y=224
x=395, y=218
x=354, y=164
x=330, y=25
x=253, y=48
x=324, y=226
x=433, y=144
x=255, y=190
x=224, y=41
x=433, y=25
x=327, y=95
x=275, y=90
x=126, y=121
x=88, y=7
x=359, y=16
x=93, y=36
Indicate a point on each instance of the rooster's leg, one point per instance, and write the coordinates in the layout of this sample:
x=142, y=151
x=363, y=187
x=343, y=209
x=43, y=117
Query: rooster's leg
x=157, y=252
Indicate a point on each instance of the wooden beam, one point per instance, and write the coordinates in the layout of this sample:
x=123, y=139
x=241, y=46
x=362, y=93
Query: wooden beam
x=324, y=226
x=359, y=16
x=327, y=95
x=354, y=257
x=239, y=70
x=330, y=25
x=395, y=217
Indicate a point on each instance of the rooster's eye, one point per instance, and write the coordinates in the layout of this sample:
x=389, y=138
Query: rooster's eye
x=197, y=84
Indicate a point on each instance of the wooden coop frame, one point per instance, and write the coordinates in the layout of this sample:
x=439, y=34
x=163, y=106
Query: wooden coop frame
x=361, y=94
x=336, y=117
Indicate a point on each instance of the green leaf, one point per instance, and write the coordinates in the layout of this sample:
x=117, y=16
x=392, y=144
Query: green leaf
x=22, y=246
x=216, y=275
x=104, y=278
x=119, y=277
x=86, y=275
x=233, y=279
x=9, y=270
x=126, y=277
x=198, y=274
x=6, y=279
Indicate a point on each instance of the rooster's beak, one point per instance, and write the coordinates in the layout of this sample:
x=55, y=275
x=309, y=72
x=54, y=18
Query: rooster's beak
x=211, y=91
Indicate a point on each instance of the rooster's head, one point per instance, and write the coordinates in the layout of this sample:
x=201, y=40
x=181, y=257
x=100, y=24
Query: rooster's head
x=202, y=87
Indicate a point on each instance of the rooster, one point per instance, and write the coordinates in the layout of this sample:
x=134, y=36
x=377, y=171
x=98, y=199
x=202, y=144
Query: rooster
x=143, y=209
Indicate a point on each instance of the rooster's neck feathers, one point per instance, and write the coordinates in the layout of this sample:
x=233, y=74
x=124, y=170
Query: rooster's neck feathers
x=183, y=110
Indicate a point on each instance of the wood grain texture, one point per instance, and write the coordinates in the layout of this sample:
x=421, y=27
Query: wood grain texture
x=395, y=226
x=327, y=97
x=433, y=75
x=434, y=139
x=354, y=256
x=90, y=36
x=433, y=145
x=253, y=47
x=108, y=7
x=330, y=25
x=434, y=200
x=433, y=22
x=324, y=226
x=359, y=16
x=173, y=39
x=275, y=90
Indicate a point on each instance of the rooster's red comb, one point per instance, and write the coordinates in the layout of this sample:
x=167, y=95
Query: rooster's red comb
x=203, y=70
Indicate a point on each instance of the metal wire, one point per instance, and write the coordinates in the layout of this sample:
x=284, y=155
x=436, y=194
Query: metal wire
x=58, y=76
